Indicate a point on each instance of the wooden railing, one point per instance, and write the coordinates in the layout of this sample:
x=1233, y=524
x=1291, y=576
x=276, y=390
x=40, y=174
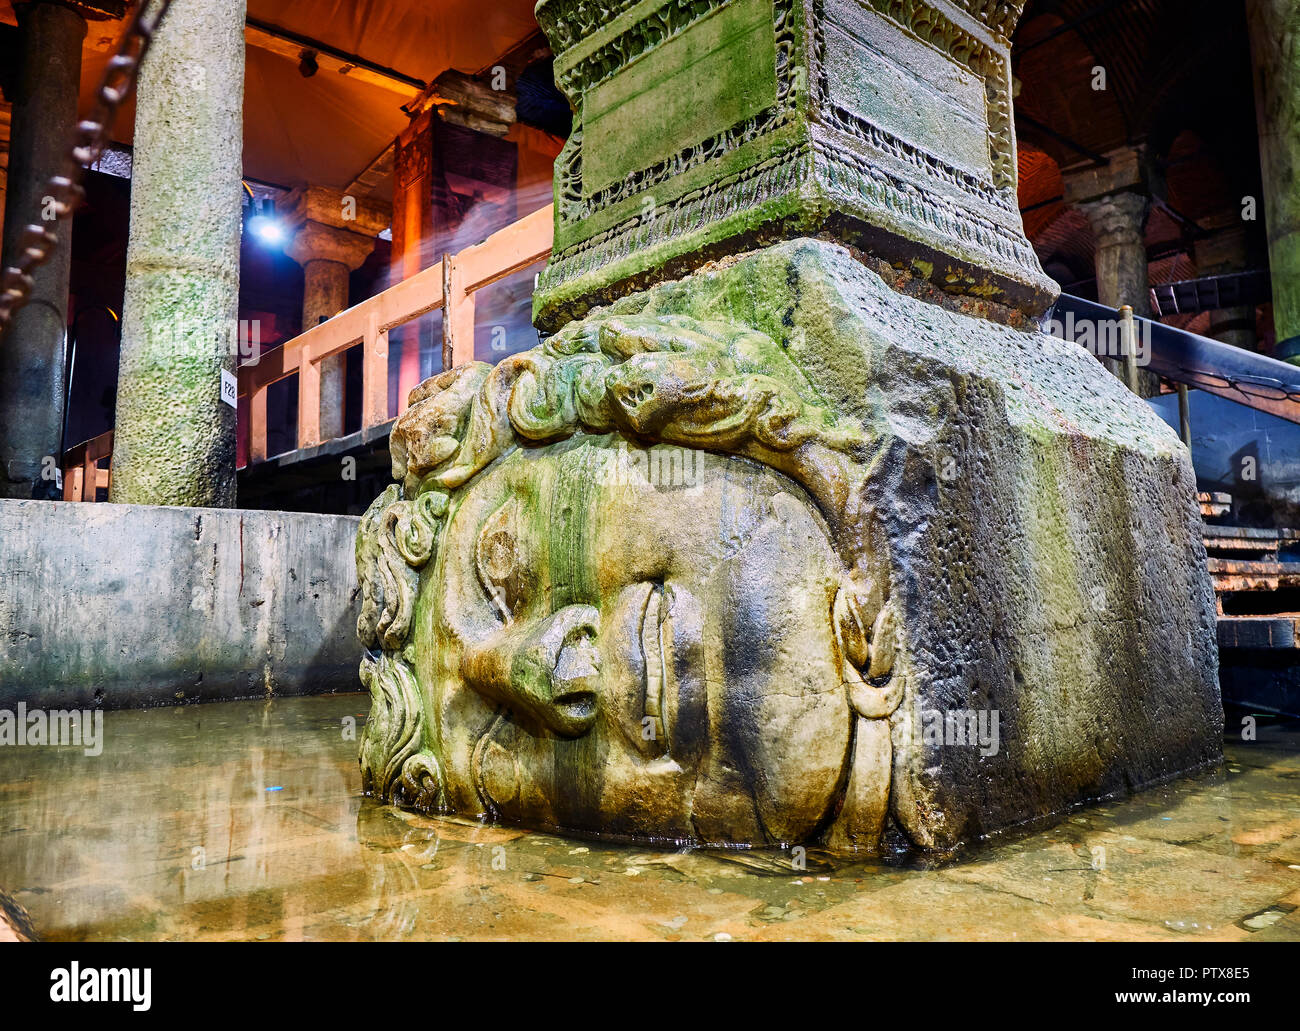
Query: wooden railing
x=449, y=286
x=82, y=476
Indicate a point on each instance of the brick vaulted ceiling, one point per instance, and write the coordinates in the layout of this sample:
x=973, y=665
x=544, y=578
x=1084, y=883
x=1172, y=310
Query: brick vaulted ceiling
x=1177, y=77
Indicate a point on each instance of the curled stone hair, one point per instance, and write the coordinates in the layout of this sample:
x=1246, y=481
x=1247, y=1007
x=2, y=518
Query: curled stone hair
x=658, y=379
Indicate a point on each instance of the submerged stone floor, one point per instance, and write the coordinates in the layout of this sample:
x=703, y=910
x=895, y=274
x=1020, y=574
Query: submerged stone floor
x=244, y=820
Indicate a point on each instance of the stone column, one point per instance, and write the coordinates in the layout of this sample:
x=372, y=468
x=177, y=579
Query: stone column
x=424, y=214
x=175, y=437
x=1235, y=326
x=1275, y=45
x=1118, y=222
x=1117, y=204
x=32, y=351
x=335, y=234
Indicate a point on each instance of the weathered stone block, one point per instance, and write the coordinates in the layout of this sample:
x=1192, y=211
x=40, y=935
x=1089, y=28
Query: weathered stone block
x=933, y=570
x=1040, y=531
x=705, y=127
x=930, y=572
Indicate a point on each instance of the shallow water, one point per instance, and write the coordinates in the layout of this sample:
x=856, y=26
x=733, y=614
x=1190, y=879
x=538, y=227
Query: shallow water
x=244, y=820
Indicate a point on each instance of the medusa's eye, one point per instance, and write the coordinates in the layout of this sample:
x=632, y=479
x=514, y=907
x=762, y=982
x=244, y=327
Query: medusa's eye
x=498, y=560
x=497, y=555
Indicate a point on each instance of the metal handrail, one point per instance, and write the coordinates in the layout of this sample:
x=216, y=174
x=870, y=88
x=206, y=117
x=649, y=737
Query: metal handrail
x=1251, y=379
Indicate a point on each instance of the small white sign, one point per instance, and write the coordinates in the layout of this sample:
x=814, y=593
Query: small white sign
x=229, y=389
x=58, y=478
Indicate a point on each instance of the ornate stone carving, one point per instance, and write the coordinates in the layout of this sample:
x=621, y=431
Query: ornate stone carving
x=562, y=619
x=816, y=543
x=1118, y=220
x=708, y=565
x=703, y=127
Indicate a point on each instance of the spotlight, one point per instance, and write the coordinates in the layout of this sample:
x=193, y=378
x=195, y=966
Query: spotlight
x=264, y=225
x=268, y=230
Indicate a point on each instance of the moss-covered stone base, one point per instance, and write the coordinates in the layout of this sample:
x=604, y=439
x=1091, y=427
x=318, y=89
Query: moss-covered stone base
x=1039, y=526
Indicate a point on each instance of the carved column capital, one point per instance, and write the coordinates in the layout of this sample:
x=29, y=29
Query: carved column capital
x=1118, y=219
x=314, y=241
x=1125, y=168
x=330, y=225
x=1225, y=249
x=363, y=216
x=916, y=157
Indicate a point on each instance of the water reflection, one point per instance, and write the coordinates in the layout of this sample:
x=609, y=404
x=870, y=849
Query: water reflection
x=243, y=820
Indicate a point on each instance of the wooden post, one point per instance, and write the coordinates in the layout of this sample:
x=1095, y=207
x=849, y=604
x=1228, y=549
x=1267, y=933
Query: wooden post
x=448, y=348
x=1128, y=343
x=89, y=476
x=257, y=426
x=308, y=400
x=462, y=313
x=374, y=374
x=457, y=315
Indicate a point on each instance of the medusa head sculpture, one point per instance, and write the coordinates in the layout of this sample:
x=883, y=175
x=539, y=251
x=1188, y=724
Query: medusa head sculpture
x=626, y=585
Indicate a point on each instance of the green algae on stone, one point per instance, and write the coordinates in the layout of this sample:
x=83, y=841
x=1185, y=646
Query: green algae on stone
x=174, y=441
x=1014, y=539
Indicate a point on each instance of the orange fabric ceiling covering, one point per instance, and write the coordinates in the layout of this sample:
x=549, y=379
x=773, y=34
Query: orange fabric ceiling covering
x=326, y=129
x=417, y=37
x=321, y=131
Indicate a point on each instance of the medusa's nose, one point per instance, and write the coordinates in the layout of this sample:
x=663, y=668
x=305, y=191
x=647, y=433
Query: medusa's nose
x=545, y=669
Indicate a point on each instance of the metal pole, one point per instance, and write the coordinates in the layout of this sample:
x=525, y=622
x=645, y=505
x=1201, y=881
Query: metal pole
x=1184, y=416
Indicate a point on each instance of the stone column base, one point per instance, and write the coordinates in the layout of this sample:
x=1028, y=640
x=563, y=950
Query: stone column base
x=930, y=576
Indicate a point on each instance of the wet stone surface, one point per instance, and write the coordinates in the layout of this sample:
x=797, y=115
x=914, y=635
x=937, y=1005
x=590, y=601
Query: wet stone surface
x=244, y=820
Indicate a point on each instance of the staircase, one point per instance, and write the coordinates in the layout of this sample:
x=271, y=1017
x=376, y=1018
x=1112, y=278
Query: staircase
x=1256, y=576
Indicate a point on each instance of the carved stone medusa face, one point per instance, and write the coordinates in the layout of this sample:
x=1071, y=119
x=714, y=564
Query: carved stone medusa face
x=590, y=622
x=610, y=650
